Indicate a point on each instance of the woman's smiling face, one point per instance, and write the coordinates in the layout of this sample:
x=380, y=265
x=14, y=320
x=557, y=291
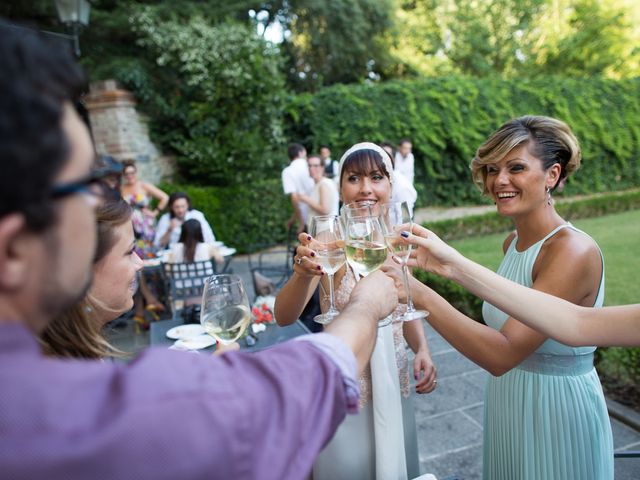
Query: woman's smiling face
x=368, y=183
x=114, y=276
x=518, y=182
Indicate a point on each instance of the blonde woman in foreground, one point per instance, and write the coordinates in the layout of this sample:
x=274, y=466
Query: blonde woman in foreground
x=563, y=321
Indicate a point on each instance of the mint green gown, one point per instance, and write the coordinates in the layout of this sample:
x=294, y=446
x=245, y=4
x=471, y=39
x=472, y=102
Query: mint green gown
x=546, y=418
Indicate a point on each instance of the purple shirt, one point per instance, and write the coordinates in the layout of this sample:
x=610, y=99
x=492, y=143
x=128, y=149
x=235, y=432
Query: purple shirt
x=171, y=414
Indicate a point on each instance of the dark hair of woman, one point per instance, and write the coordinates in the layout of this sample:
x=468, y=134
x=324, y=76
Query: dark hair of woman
x=75, y=333
x=190, y=236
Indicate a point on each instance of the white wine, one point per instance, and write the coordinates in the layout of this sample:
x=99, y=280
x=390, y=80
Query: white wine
x=365, y=257
x=331, y=260
x=227, y=324
x=397, y=246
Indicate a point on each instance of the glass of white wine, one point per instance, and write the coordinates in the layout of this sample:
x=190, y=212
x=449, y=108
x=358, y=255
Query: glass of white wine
x=393, y=216
x=225, y=312
x=365, y=248
x=328, y=243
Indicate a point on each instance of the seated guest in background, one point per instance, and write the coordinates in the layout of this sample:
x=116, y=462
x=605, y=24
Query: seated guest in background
x=404, y=161
x=168, y=230
x=324, y=197
x=77, y=332
x=167, y=414
x=191, y=247
x=403, y=190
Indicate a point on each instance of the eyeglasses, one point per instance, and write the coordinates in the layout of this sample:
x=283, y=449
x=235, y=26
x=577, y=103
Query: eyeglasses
x=315, y=165
x=93, y=185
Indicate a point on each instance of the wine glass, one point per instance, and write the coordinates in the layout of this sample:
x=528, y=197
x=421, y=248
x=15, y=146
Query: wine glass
x=365, y=248
x=361, y=208
x=328, y=243
x=225, y=310
x=394, y=216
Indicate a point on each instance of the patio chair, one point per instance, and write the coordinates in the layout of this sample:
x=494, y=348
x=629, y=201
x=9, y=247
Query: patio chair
x=185, y=282
x=270, y=268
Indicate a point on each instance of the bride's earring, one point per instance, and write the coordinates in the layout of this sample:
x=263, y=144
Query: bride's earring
x=548, y=196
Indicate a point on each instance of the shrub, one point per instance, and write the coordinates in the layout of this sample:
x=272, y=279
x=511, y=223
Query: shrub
x=448, y=118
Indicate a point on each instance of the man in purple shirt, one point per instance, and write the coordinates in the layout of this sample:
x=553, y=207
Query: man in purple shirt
x=166, y=414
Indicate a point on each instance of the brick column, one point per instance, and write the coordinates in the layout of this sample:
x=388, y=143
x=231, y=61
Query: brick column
x=121, y=132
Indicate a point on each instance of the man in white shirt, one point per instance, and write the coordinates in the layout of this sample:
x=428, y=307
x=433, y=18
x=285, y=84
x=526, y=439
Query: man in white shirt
x=296, y=179
x=170, y=224
x=404, y=159
x=403, y=190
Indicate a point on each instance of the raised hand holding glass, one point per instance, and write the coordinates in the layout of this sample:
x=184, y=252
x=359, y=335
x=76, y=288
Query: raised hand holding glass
x=328, y=244
x=393, y=216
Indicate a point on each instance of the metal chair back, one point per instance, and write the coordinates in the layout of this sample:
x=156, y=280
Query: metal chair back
x=186, y=282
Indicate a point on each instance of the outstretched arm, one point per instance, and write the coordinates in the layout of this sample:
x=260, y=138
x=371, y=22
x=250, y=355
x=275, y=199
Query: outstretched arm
x=564, y=321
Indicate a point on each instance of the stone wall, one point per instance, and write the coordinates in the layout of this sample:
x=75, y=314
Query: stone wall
x=120, y=131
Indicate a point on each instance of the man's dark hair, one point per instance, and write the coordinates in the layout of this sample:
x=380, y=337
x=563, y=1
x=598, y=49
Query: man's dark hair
x=294, y=150
x=37, y=78
x=177, y=196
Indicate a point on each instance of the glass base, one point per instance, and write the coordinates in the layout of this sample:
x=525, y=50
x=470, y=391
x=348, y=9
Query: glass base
x=414, y=315
x=325, y=318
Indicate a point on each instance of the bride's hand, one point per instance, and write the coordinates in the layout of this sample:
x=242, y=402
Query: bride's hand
x=303, y=261
x=424, y=372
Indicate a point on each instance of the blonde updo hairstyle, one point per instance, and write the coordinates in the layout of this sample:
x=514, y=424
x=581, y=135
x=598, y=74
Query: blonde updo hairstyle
x=548, y=139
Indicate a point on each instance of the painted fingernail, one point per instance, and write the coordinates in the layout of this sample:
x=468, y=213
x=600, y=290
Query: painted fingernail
x=319, y=267
x=308, y=237
x=313, y=254
x=404, y=234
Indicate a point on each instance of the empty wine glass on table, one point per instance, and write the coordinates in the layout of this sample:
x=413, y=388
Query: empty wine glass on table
x=393, y=216
x=225, y=312
x=365, y=248
x=328, y=244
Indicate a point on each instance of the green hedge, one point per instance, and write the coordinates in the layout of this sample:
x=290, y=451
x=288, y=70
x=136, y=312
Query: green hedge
x=569, y=209
x=242, y=216
x=491, y=223
x=448, y=118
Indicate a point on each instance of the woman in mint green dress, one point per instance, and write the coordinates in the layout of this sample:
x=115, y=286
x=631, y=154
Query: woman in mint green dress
x=545, y=416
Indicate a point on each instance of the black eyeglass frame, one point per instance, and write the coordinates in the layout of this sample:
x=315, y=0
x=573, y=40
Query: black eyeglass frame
x=96, y=177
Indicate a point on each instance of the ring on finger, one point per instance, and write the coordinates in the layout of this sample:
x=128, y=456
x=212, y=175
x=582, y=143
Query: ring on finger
x=299, y=261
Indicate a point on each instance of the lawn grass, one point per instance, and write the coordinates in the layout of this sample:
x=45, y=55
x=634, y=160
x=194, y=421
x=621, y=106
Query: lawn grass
x=618, y=236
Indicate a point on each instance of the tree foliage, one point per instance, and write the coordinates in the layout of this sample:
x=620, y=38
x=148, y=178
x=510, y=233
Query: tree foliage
x=519, y=37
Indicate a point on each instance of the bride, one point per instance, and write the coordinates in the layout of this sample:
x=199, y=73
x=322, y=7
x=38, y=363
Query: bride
x=381, y=441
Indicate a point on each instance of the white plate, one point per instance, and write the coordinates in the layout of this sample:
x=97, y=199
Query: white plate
x=195, y=343
x=185, y=331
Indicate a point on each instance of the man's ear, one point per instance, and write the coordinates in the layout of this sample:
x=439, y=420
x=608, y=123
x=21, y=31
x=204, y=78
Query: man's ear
x=15, y=251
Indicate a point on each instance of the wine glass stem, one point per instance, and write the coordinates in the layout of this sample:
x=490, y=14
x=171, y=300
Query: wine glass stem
x=405, y=275
x=332, y=307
